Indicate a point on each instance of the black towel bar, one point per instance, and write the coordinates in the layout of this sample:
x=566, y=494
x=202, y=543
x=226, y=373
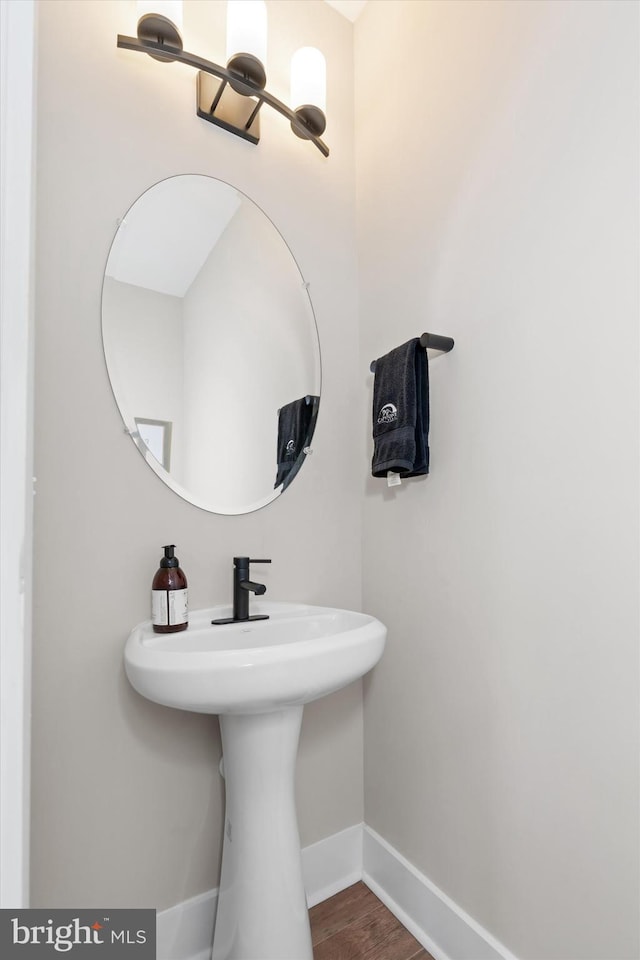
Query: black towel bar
x=433, y=341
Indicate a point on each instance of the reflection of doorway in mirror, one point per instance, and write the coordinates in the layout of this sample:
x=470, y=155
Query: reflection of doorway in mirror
x=156, y=435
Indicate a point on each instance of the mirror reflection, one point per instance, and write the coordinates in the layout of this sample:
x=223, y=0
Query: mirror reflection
x=211, y=344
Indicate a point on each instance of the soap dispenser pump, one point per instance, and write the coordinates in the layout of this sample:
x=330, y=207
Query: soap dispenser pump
x=169, y=606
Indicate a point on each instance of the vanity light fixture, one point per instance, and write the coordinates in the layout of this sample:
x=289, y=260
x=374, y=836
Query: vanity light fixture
x=231, y=96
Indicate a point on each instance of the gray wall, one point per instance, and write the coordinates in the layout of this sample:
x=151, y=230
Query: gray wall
x=497, y=170
x=127, y=799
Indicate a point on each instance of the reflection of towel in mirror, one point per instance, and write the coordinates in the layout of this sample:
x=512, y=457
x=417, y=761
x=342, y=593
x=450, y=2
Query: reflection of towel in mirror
x=294, y=423
x=401, y=412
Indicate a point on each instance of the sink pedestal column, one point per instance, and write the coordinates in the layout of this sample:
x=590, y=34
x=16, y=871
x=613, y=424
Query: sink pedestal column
x=262, y=909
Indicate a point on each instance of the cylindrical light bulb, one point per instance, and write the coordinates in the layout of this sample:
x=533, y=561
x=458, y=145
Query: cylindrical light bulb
x=169, y=9
x=247, y=29
x=308, y=79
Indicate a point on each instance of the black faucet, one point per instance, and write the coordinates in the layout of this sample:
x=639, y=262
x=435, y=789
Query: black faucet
x=242, y=587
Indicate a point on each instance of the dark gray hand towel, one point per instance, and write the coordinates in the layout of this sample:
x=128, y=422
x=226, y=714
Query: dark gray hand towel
x=401, y=412
x=295, y=421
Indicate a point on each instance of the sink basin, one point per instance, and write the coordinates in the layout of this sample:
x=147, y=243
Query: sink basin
x=299, y=654
x=257, y=675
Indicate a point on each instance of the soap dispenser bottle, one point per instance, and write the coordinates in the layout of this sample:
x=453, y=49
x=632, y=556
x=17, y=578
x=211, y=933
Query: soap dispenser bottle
x=169, y=609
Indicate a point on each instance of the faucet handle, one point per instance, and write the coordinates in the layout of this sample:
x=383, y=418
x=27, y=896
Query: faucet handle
x=242, y=563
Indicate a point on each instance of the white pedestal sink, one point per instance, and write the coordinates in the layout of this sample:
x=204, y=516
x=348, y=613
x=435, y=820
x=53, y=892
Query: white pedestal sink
x=257, y=675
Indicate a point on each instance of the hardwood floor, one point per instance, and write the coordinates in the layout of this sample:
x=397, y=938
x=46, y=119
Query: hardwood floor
x=355, y=925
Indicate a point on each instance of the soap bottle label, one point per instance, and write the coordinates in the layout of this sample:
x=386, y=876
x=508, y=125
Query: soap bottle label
x=169, y=607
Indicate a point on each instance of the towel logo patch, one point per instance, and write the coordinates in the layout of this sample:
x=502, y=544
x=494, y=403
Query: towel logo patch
x=388, y=413
x=291, y=445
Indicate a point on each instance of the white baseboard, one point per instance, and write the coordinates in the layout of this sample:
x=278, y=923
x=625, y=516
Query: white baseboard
x=185, y=932
x=435, y=920
x=332, y=864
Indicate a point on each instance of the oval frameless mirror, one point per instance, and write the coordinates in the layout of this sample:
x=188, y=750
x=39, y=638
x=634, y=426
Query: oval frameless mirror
x=211, y=344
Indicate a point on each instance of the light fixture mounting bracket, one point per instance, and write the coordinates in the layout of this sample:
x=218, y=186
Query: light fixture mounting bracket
x=218, y=103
